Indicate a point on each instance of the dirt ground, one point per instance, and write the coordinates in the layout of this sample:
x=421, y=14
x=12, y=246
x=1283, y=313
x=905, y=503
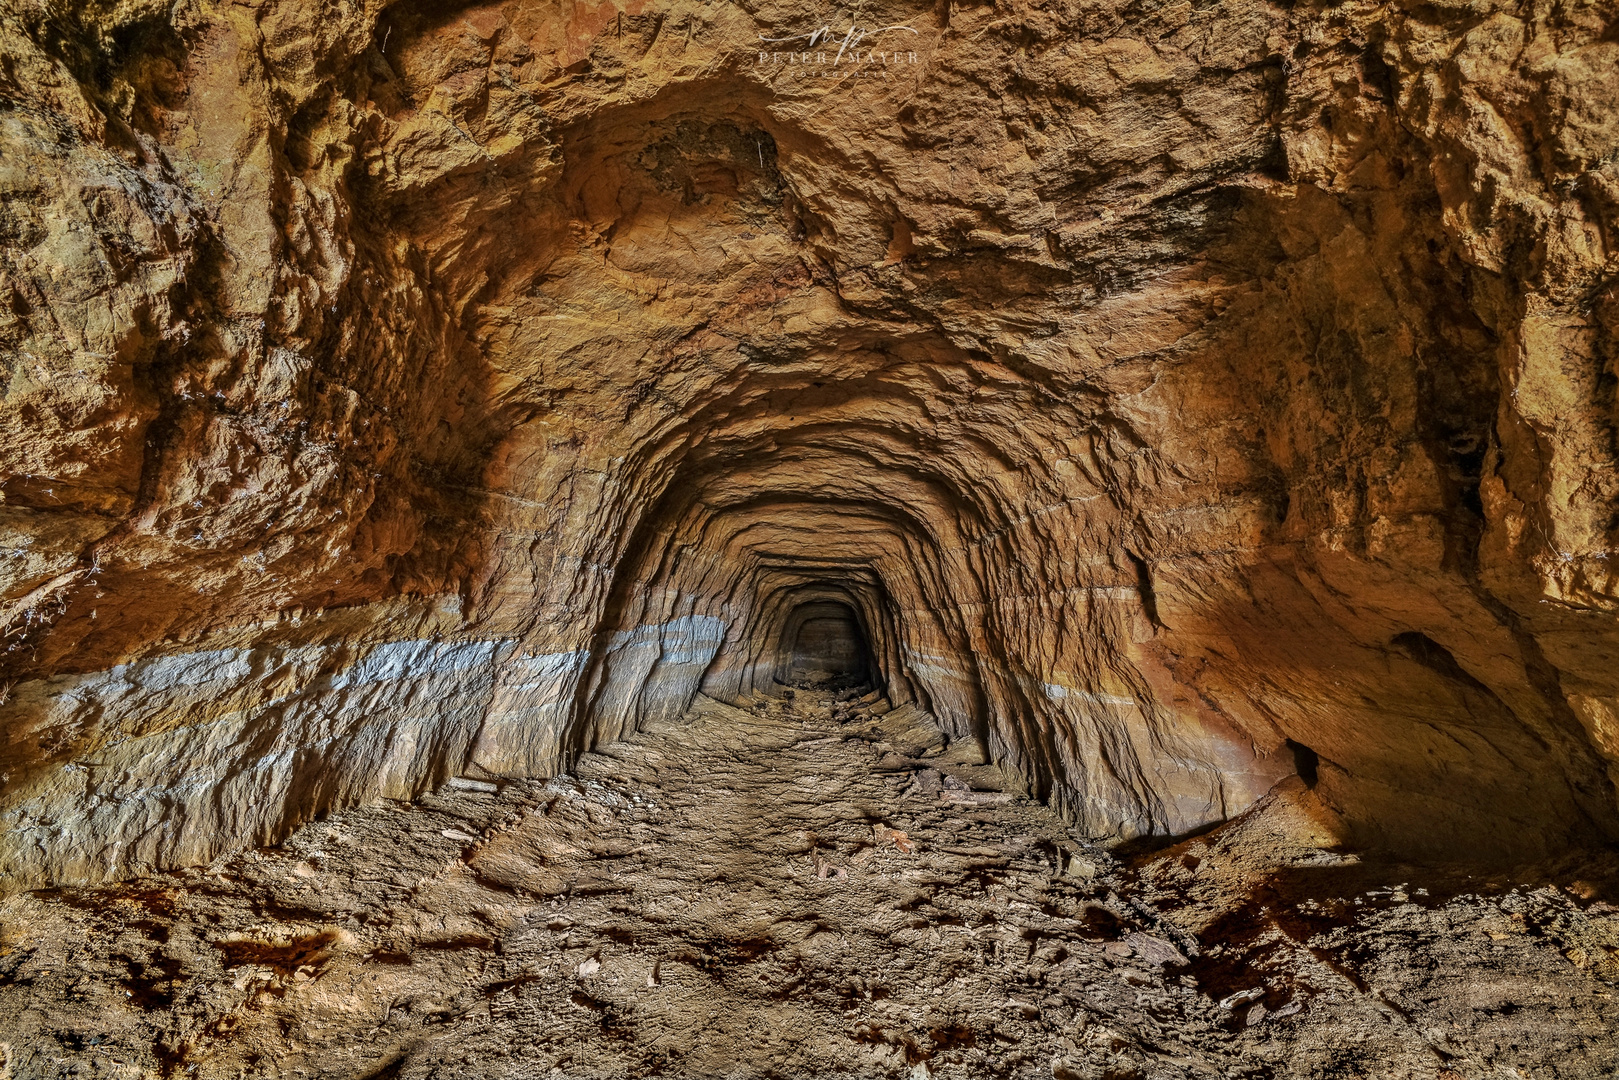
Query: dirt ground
x=811, y=887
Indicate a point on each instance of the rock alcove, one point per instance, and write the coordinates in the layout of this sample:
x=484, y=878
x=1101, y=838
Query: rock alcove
x=1163, y=418
x=828, y=646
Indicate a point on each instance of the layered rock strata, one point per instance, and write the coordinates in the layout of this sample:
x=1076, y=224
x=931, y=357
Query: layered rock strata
x=1180, y=396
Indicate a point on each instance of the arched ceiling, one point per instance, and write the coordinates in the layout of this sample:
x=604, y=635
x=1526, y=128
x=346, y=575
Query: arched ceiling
x=472, y=382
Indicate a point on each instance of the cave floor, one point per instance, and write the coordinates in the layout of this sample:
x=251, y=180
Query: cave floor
x=791, y=891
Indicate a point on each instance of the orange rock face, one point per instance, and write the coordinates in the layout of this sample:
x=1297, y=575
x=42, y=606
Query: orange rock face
x=1177, y=397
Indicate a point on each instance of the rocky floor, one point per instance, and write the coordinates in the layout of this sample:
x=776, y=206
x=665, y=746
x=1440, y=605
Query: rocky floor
x=808, y=888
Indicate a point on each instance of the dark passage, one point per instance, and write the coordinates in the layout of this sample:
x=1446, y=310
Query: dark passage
x=825, y=647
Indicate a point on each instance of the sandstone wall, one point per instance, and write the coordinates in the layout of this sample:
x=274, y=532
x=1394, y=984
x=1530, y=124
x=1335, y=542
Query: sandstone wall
x=394, y=391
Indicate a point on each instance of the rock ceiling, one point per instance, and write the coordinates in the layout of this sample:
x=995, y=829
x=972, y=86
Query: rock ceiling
x=1178, y=394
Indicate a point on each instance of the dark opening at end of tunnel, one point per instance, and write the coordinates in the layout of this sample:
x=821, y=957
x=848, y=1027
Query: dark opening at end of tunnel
x=824, y=646
x=1306, y=762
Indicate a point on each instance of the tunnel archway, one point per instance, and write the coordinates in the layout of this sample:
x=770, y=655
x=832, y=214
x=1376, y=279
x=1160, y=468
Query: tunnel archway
x=824, y=644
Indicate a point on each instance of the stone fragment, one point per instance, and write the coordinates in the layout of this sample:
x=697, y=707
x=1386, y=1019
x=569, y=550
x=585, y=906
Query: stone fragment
x=467, y=783
x=885, y=835
x=976, y=798
x=1241, y=997
x=1154, y=950
x=1082, y=868
x=826, y=870
x=926, y=783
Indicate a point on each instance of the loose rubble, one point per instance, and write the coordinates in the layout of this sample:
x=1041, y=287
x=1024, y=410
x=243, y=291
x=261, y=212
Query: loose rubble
x=810, y=887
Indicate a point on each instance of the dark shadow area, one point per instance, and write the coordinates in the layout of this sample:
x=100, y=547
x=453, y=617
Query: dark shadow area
x=824, y=646
x=1331, y=912
x=1306, y=762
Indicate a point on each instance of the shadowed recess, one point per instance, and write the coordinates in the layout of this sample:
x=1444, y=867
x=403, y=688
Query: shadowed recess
x=823, y=646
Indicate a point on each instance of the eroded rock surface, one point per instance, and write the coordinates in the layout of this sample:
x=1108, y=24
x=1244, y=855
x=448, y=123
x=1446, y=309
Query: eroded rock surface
x=775, y=893
x=1175, y=392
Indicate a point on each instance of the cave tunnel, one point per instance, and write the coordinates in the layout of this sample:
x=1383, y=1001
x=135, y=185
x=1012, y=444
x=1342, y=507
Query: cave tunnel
x=823, y=645
x=543, y=540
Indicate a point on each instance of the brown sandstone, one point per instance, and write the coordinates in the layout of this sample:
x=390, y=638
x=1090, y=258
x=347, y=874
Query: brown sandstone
x=1177, y=397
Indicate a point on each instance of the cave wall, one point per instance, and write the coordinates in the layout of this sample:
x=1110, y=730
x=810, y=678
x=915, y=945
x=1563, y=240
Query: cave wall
x=397, y=391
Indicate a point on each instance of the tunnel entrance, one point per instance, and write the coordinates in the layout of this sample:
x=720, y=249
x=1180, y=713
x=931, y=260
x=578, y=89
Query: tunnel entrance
x=824, y=646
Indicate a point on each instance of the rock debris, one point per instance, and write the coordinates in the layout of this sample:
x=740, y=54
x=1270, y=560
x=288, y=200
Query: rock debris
x=820, y=886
